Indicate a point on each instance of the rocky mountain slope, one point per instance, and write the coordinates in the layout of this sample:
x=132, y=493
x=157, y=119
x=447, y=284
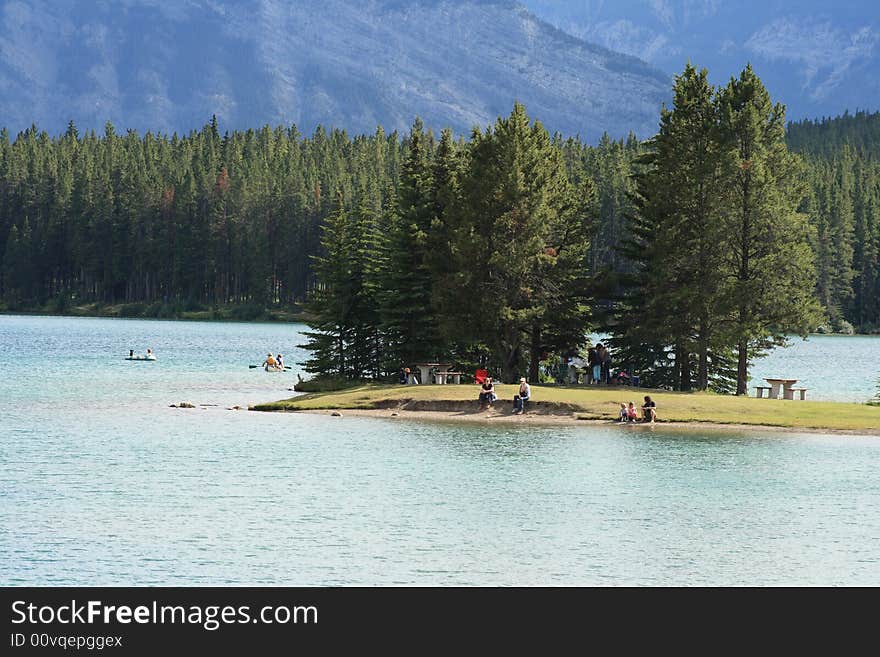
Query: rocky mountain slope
x=817, y=56
x=168, y=65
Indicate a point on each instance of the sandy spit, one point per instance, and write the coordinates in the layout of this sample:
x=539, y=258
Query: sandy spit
x=545, y=419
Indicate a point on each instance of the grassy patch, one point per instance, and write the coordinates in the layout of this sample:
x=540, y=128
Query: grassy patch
x=604, y=403
x=326, y=384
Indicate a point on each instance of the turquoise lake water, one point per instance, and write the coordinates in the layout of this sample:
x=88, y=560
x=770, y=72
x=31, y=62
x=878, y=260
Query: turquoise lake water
x=102, y=483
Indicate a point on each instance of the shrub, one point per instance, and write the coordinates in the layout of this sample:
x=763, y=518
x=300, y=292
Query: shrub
x=845, y=327
x=132, y=310
x=61, y=304
x=192, y=306
x=326, y=384
x=247, y=311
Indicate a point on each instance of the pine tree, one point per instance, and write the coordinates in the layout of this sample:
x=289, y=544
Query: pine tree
x=343, y=311
x=518, y=211
x=672, y=300
x=329, y=306
x=409, y=315
x=18, y=275
x=768, y=258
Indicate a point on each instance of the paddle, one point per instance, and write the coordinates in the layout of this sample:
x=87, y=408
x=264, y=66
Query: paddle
x=252, y=367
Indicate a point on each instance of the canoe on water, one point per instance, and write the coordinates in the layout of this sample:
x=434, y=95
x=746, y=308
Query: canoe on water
x=140, y=358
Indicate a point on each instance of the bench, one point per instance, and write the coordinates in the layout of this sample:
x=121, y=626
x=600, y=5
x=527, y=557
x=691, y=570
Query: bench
x=761, y=389
x=801, y=391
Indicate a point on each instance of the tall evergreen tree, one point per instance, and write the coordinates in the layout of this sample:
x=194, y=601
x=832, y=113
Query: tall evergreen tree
x=342, y=310
x=768, y=258
x=517, y=207
x=409, y=313
x=672, y=298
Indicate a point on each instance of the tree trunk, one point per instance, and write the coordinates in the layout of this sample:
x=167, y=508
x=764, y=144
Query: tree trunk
x=703, y=371
x=703, y=358
x=535, y=354
x=685, y=381
x=511, y=362
x=742, y=370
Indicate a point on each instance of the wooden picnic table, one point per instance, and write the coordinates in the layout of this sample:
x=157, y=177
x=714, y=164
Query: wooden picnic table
x=785, y=384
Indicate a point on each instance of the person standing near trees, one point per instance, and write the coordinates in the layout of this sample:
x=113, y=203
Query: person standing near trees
x=595, y=361
x=606, y=366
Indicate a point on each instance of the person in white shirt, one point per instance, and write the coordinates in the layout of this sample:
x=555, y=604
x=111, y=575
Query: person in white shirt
x=520, y=399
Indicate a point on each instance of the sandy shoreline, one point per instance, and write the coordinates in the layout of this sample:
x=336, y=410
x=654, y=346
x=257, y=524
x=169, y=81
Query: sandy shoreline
x=547, y=419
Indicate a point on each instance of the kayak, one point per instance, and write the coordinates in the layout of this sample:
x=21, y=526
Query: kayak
x=272, y=369
x=140, y=358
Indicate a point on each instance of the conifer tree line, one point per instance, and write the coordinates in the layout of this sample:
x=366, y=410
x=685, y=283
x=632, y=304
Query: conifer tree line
x=176, y=222
x=242, y=218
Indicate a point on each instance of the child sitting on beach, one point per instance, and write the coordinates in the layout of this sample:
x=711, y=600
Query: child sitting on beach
x=624, y=414
x=631, y=413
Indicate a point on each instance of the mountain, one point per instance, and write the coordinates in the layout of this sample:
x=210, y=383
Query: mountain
x=168, y=65
x=819, y=57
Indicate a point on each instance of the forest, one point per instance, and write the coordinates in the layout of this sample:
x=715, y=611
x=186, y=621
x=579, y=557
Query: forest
x=165, y=224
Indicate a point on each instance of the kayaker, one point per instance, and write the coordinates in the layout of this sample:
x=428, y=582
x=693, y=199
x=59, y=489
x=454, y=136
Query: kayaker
x=269, y=362
x=279, y=362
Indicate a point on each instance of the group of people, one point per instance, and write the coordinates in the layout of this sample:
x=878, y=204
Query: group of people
x=488, y=396
x=628, y=413
x=599, y=363
x=273, y=363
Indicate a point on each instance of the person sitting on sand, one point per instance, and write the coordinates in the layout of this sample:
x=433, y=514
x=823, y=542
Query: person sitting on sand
x=487, y=394
x=649, y=410
x=631, y=413
x=270, y=363
x=522, y=396
x=623, y=416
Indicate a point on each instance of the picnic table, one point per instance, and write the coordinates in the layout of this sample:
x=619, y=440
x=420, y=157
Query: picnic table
x=440, y=376
x=785, y=384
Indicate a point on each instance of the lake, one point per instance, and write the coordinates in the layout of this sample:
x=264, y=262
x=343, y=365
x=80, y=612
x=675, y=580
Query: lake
x=103, y=484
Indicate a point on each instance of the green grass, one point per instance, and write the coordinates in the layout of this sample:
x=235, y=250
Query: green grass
x=604, y=403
